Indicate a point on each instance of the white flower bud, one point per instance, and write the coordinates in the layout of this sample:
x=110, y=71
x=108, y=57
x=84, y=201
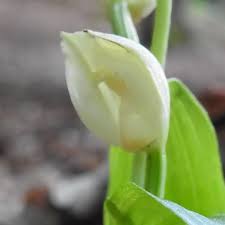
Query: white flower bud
x=141, y=8
x=118, y=89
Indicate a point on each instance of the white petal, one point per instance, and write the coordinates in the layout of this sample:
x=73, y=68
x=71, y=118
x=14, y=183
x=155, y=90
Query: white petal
x=147, y=93
x=85, y=94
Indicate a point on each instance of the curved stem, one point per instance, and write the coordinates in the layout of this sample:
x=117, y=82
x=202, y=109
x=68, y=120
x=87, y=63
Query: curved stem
x=161, y=30
x=121, y=20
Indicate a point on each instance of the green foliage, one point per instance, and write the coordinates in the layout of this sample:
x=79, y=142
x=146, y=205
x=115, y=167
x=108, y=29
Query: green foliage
x=132, y=205
x=194, y=172
x=120, y=171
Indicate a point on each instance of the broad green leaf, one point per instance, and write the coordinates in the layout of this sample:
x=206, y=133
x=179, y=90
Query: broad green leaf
x=120, y=170
x=126, y=167
x=120, y=173
x=132, y=205
x=194, y=172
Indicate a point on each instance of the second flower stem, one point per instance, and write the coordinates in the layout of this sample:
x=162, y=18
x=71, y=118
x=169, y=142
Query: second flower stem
x=161, y=31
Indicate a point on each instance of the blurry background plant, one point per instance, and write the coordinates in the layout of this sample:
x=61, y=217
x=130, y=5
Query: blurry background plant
x=42, y=144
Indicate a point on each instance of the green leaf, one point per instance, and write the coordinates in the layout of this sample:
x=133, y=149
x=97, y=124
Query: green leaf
x=132, y=205
x=120, y=171
x=194, y=172
x=125, y=167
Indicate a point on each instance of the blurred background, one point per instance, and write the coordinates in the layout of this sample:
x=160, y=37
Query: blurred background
x=52, y=170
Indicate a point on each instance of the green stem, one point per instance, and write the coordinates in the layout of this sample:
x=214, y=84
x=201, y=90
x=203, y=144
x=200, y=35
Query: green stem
x=156, y=172
x=121, y=20
x=161, y=30
x=139, y=169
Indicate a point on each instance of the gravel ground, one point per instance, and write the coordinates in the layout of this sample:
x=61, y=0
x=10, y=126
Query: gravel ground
x=42, y=141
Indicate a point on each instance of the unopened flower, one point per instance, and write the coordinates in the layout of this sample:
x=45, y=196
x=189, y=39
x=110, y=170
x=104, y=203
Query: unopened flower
x=141, y=8
x=118, y=89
